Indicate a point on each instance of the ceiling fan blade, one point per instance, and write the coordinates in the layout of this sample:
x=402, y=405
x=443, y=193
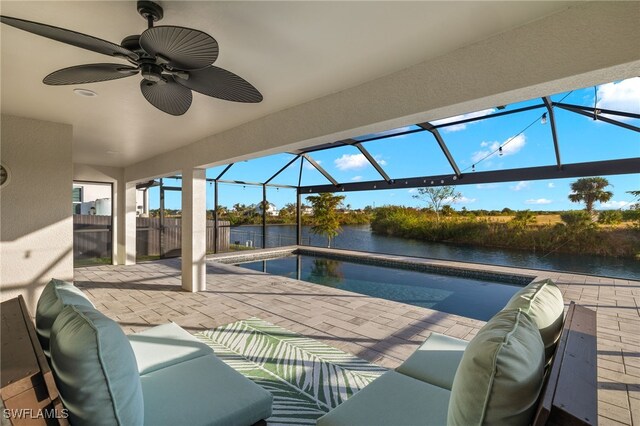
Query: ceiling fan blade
x=221, y=84
x=70, y=37
x=91, y=73
x=170, y=97
x=183, y=48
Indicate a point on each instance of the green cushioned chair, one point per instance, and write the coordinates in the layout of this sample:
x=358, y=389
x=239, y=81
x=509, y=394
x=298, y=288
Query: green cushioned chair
x=500, y=375
x=165, y=345
x=56, y=295
x=393, y=399
x=542, y=301
x=220, y=397
x=435, y=361
x=95, y=369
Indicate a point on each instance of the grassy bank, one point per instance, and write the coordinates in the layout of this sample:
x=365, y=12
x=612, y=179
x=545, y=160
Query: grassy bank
x=574, y=236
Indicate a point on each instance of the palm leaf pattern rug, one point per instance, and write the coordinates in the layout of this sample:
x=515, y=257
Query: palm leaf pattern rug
x=307, y=378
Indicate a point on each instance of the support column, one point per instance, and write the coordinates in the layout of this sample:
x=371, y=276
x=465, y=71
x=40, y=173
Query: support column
x=194, y=230
x=126, y=223
x=298, y=217
x=216, y=234
x=264, y=216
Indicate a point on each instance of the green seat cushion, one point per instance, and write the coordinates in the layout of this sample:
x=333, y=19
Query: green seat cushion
x=95, y=369
x=542, y=301
x=500, y=375
x=392, y=399
x=435, y=361
x=165, y=345
x=202, y=391
x=56, y=295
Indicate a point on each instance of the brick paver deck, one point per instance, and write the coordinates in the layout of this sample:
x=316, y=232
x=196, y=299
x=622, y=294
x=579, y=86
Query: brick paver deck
x=381, y=331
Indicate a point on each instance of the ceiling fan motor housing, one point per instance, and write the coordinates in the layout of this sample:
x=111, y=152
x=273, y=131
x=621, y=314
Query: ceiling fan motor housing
x=151, y=72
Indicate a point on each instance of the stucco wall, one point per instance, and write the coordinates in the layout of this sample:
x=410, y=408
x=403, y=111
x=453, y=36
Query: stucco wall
x=36, y=225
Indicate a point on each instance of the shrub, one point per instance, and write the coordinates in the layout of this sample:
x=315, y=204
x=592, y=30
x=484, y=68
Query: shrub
x=523, y=218
x=576, y=218
x=631, y=214
x=610, y=217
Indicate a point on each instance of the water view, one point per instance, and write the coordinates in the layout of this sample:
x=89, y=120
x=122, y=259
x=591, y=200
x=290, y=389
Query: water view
x=360, y=237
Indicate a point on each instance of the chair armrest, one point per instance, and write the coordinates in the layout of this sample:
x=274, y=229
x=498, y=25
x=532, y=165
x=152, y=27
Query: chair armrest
x=435, y=361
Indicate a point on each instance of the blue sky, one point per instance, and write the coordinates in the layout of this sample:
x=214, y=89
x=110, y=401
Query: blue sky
x=525, y=142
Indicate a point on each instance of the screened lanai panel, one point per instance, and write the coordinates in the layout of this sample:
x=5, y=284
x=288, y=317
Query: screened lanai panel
x=288, y=176
x=585, y=139
x=415, y=154
x=214, y=172
x=258, y=169
x=240, y=206
x=281, y=217
x=344, y=164
x=524, y=139
x=310, y=175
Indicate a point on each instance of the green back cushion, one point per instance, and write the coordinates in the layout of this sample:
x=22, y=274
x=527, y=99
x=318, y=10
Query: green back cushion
x=95, y=369
x=56, y=295
x=500, y=375
x=542, y=301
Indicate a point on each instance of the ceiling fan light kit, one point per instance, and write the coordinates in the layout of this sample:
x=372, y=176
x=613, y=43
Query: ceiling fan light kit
x=172, y=60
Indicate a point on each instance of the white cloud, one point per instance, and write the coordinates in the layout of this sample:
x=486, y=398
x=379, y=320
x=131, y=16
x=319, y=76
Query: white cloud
x=356, y=178
x=614, y=205
x=551, y=185
x=412, y=191
x=538, y=201
x=519, y=186
x=509, y=147
x=309, y=166
x=621, y=96
x=461, y=200
x=458, y=127
x=354, y=162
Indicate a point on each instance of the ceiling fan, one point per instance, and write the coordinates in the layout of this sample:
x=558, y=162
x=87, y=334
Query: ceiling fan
x=172, y=60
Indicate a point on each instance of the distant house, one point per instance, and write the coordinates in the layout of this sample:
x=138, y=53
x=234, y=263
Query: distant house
x=306, y=209
x=272, y=210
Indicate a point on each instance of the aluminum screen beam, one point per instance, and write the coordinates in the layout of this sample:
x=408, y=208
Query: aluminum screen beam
x=443, y=146
x=584, y=111
x=596, y=168
x=600, y=110
x=552, y=123
x=373, y=162
x=321, y=170
x=224, y=171
x=242, y=182
x=282, y=169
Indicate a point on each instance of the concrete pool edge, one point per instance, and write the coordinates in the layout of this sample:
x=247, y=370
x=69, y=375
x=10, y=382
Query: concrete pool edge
x=503, y=274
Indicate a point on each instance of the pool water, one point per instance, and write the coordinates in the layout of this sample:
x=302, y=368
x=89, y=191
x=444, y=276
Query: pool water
x=469, y=297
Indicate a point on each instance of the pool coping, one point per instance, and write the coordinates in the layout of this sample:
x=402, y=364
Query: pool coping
x=505, y=275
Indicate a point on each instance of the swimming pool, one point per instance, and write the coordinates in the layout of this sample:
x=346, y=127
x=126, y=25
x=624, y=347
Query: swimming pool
x=466, y=296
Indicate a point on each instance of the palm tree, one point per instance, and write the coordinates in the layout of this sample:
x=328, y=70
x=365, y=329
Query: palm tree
x=590, y=190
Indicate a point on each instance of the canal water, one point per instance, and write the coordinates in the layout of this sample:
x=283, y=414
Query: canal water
x=360, y=237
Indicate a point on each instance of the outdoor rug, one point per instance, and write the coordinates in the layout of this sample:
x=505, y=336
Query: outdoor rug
x=307, y=378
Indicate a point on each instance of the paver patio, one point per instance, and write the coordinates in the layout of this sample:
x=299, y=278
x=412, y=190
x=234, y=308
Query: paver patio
x=380, y=331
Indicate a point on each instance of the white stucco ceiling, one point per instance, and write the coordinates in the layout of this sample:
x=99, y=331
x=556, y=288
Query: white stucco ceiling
x=292, y=52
